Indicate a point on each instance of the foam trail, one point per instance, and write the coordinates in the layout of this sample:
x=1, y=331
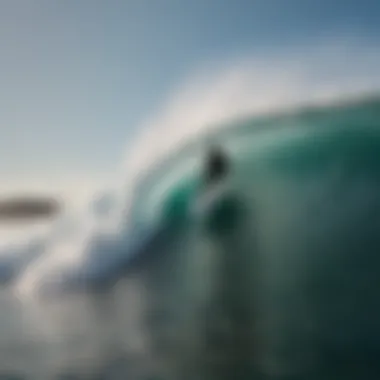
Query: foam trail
x=98, y=242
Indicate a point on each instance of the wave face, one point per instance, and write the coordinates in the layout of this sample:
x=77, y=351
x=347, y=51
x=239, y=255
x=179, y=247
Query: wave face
x=301, y=272
x=307, y=252
x=310, y=181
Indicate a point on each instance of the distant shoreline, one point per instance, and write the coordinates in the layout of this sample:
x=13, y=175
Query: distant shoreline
x=21, y=209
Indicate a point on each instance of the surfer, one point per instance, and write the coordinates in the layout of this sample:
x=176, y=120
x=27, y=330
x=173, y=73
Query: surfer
x=218, y=206
x=187, y=202
x=216, y=166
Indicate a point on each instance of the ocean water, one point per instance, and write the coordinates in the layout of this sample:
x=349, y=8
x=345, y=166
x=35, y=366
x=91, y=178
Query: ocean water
x=288, y=292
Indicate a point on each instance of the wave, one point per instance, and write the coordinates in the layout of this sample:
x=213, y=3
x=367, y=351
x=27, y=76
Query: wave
x=92, y=255
x=91, y=248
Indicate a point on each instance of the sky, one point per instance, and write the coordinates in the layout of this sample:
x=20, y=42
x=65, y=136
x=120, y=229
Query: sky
x=81, y=79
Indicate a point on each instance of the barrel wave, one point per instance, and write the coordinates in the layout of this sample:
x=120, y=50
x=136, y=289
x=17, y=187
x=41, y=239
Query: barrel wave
x=298, y=271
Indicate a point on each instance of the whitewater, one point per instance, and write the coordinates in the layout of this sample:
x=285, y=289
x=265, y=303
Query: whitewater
x=283, y=121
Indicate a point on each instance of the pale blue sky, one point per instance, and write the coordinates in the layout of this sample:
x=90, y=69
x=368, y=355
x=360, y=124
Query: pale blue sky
x=78, y=77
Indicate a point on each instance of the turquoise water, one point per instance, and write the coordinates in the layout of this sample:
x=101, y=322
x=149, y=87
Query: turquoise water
x=301, y=273
x=277, y=278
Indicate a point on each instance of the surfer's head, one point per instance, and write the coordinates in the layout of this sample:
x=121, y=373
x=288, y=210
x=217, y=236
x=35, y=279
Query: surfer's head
x=216, y=165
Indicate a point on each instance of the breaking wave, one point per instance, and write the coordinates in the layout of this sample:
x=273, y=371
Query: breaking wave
x=91, y=247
